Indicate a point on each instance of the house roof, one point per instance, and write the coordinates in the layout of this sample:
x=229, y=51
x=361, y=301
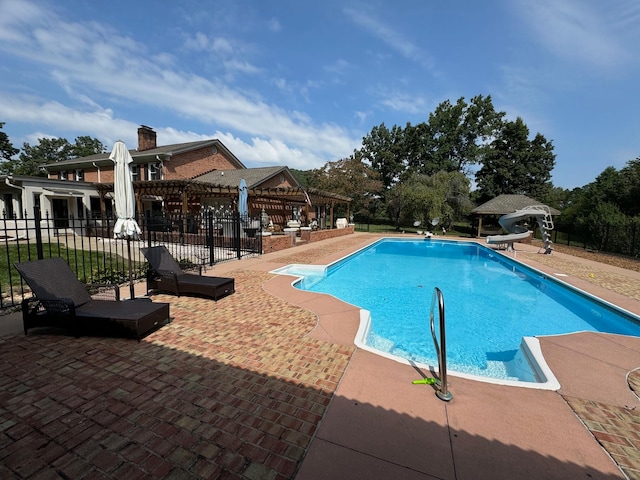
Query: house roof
x=165, y=151
x=503, y=204
x=252, y=176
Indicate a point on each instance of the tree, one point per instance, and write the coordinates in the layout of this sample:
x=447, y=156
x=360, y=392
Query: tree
x=86, y=146
x=558, y=198
x=302, y=177
x=385, y=151
x=6, y=149
x=444, y=195
x=461, y=132
x=353, y=178
x=513, y=164
x=48, y=150
x=453, y=139
x=629, y=189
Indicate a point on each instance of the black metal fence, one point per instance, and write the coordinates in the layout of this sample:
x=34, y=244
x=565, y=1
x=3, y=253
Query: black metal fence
x=622, y=238
x=89, y=246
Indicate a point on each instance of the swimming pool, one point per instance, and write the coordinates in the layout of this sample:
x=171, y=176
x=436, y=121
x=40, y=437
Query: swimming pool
x=494, y=306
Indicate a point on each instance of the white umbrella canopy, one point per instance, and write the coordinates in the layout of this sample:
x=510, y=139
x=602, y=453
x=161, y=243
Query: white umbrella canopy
x=125, y=201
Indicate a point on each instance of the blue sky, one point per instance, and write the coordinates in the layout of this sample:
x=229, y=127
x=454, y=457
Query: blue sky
x=283, y=82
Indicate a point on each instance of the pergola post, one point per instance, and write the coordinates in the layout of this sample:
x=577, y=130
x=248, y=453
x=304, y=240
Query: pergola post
x=185, y=210
x=331, y=216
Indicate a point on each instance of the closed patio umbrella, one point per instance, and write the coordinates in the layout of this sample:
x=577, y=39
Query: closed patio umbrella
x=243, y=206
x=125, y=201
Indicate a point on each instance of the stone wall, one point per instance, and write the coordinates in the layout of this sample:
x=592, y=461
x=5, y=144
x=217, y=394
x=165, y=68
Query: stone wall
x=317, y=235
x=275, y=243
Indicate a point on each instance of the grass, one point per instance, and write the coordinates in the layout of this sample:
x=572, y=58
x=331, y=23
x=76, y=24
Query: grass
x=89, y=267
x=458, y=230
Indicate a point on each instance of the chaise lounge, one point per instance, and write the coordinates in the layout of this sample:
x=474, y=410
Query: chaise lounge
x=166, y=275
x=61, y=301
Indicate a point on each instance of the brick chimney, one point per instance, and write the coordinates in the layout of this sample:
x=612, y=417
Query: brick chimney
x=146, y=138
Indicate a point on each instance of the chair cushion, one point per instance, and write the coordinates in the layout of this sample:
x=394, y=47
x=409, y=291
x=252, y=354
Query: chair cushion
x=161, y=259
x=53, y=279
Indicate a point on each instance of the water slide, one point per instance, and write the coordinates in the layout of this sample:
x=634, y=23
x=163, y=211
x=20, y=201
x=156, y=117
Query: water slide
x=517, y=232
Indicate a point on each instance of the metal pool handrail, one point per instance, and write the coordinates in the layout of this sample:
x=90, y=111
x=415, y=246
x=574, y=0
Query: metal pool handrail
x=442, y=391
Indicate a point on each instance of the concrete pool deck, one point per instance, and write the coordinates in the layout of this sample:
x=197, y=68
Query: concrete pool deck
x=267, y=384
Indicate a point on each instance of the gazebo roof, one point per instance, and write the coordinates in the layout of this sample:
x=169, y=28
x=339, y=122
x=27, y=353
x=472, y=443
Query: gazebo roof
x=503, y=204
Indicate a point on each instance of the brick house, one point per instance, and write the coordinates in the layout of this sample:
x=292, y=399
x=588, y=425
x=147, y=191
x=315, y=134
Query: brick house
x=150, y=162
x=187, y=177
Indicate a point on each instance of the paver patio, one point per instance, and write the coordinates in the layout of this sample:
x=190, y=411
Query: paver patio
x=266, y=384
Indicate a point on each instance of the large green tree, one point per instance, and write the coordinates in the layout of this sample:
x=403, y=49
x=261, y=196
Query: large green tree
x=350, y=177
x=630, y=188
x=86, y=146
x=453, y=139
x=385, y=151
x=460, y=133
x=513, y=164
x=7, y=149
x=49, y=150
x=444, y=195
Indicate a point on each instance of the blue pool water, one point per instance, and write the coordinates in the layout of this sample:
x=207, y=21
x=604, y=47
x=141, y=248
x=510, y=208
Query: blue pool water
x=491, y=303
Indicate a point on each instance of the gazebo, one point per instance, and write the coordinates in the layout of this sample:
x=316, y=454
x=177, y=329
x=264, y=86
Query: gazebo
x=503, y=204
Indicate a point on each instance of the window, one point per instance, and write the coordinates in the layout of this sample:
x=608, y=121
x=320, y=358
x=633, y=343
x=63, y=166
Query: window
x=154, y=171
x=79, y=175
x=62, y=175
x=135, y=172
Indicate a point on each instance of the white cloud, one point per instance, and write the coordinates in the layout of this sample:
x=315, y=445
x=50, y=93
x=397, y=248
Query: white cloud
x=261, y=152
x=274, y=25
x=103, y=67
x=403, y=102
x=393, y=39
x=585, y=31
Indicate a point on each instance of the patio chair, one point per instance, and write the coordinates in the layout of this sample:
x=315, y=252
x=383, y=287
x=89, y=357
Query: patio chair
x=166, y=275
x=60, y=300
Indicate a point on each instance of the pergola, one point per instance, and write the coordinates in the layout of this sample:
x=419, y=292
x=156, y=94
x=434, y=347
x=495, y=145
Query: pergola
x=186, y=196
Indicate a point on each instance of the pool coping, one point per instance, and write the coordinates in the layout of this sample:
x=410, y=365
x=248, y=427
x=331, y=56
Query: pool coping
x=529, y=348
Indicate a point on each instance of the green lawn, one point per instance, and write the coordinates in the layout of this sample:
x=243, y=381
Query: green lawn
x=90, y=267
x=458, y=230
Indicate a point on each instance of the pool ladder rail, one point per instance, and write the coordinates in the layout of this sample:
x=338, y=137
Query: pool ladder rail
x=442, y=391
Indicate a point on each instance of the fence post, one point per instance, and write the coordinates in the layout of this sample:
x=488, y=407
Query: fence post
x=236, y=234
x=210, y=237
x=38, y=217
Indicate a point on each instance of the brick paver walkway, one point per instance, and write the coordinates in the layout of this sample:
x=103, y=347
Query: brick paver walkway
x=573, y=266
x=232, y=389
x=616, y=428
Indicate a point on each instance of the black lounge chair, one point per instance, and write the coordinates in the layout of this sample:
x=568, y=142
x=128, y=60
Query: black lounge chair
x=166, y=275
x=61, y=301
